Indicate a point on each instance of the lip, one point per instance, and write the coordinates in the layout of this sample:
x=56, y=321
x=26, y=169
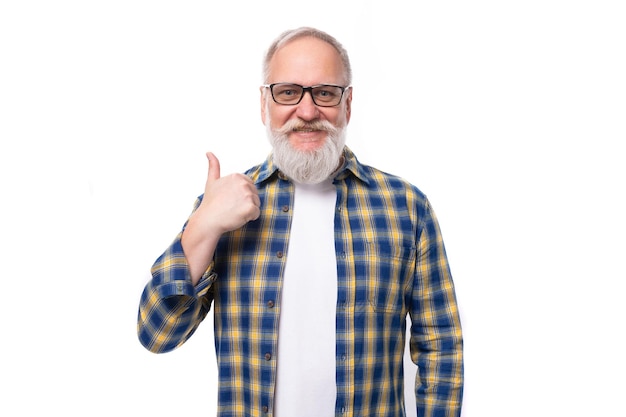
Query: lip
x=308, y=132
x=303, y=136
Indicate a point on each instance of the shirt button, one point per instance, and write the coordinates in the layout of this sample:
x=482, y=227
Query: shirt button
x=268, y=356
x=285, y=209
x=270, y=303
x=265, y=409
x=279, y=254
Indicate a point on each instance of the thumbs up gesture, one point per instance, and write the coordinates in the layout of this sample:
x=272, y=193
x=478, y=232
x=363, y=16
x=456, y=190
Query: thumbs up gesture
x=228, y=203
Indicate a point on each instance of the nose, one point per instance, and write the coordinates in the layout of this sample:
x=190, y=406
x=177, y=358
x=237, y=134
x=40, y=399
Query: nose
x=307, y=110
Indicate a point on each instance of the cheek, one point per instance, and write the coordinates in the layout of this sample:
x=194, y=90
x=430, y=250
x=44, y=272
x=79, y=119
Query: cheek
x=278, y=116
x=337, y=118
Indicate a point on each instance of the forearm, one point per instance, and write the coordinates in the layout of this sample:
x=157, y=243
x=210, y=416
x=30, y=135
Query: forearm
x=198, y=248
x=439, y=380
x=171, y=307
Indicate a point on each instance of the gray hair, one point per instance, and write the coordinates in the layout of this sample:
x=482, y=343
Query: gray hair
x=302, y=32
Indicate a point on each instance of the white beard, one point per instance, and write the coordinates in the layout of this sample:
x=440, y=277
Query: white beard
x=308, y=167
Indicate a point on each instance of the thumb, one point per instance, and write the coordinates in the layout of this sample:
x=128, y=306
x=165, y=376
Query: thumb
x=214, y=167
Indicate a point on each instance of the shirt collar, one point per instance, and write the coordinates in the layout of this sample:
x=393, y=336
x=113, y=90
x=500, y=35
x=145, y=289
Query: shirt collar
x=351, y=166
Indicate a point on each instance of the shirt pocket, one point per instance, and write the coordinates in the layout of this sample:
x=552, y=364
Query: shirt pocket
x=391, y=267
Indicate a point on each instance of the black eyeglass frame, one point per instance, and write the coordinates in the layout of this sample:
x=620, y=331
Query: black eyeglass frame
x=310, y=90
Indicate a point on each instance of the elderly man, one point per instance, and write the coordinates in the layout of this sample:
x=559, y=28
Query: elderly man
x=312, y=262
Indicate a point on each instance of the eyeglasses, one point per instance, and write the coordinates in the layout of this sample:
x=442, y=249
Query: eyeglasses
x=323, y=95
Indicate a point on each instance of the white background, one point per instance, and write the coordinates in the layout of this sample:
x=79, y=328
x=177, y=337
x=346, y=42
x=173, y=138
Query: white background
x=509, y=115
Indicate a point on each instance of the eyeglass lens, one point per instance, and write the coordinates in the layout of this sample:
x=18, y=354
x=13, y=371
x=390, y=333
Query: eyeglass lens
x=323, y=95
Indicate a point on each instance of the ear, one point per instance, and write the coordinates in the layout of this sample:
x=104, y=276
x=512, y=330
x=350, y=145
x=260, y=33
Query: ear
x=349, y=105
x=263, y=102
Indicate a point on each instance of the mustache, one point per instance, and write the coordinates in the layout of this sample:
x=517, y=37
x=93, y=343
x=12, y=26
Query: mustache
x=297, y=124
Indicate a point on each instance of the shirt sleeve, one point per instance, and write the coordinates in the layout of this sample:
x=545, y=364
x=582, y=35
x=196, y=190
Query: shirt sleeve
x=171, y=308
x=436, y=338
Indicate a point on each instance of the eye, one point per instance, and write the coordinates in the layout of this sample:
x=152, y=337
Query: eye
x=327, y=93
x=287, y=90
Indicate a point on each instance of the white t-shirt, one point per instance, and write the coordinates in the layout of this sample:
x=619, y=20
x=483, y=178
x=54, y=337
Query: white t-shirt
x=305, y=384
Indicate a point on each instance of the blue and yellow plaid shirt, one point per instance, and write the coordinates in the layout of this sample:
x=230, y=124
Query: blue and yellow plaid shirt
x=391, y=262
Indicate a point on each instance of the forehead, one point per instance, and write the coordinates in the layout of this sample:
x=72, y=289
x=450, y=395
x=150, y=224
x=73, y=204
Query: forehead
x=306, y=61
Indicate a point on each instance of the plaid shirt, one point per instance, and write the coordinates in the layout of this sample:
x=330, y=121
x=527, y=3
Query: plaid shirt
x=391, y=262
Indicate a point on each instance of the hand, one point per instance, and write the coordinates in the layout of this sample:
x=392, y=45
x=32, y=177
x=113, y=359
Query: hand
x=229, y=202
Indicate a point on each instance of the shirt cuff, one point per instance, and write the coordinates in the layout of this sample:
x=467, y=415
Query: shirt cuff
x=206, y=281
